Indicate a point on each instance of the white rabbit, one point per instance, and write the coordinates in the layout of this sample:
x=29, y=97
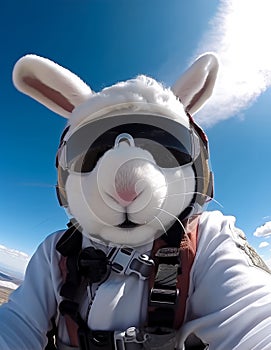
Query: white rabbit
x=131, y=164
x=124, y=180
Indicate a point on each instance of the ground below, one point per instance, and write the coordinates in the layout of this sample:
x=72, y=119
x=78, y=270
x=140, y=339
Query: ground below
x=4, y=293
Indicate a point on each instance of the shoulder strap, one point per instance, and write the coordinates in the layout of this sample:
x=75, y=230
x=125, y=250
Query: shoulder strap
x=188, y=249
x=178, y=266
x=78, y=267
x=69, y=247
x=71, y=325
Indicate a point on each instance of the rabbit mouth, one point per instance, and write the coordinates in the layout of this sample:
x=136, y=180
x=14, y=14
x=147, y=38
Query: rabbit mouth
x=128, y=224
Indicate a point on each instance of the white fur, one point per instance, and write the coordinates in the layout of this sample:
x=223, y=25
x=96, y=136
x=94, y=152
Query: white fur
x=140, y=95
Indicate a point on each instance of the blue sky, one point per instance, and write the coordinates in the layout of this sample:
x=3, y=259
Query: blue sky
x=105, y=41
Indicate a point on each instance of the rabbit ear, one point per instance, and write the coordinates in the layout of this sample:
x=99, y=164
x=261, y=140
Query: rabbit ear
x=50, y=84
x=196, y=85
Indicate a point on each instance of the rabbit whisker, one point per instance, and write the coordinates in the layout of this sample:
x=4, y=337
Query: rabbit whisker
x=177, y=180
x=160, y=222
x=174, y=216
x=188, y=193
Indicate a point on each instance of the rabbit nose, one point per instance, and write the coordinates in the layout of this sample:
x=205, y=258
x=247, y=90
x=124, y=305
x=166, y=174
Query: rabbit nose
x=126, y=186
x=129, y=182
x=127, y=194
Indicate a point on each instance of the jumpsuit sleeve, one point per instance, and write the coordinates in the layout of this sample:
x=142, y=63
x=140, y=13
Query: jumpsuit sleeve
x=229, y=302
x=25, y=318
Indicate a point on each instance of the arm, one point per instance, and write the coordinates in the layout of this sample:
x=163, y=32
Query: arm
x=229, y=306
x=25, y=319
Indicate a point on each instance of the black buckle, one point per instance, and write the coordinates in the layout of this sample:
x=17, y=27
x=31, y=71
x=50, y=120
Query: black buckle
x=169, y=256
x=164, y=297
x=168, y=252
x=95, y=340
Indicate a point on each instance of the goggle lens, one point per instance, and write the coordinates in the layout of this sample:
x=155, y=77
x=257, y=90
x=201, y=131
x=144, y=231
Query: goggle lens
x=87, y=145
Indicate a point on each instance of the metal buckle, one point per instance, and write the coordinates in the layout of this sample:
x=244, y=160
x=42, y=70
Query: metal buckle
x=133, y=338
x=120, y=259
x=146, y=338
x=126, y=261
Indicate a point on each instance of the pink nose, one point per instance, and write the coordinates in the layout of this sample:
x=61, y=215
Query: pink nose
x=127, y=195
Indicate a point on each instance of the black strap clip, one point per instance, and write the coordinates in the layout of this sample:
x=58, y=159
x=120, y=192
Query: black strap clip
x=95, y=340
x=164, y=297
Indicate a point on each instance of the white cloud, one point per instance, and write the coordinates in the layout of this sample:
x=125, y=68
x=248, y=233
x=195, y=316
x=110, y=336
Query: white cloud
x=268, y=262
x=263, y=244
x=240, y=35
x=264, y=230
x=13, y=261
x=13, y=252
x=9, y=285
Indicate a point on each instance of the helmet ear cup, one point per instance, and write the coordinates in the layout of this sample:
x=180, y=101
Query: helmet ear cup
x=207, y=188
x=203, y=174
x=204, y=177
x=210, y=189
x=60, y=187
x=62, y=175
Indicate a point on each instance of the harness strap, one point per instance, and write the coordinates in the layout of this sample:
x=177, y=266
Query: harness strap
x=187, y=252
x=171, y=279
x=164, y=293
x=188, y=248
x=69, y=243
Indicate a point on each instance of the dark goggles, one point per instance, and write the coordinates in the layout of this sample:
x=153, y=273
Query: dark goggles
x=170, y=143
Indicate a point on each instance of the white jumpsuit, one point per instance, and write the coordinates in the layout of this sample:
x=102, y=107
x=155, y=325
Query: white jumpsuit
x=228, y=307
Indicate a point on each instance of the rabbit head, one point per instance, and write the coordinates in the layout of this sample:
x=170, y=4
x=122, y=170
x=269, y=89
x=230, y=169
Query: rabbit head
x=131, y=161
